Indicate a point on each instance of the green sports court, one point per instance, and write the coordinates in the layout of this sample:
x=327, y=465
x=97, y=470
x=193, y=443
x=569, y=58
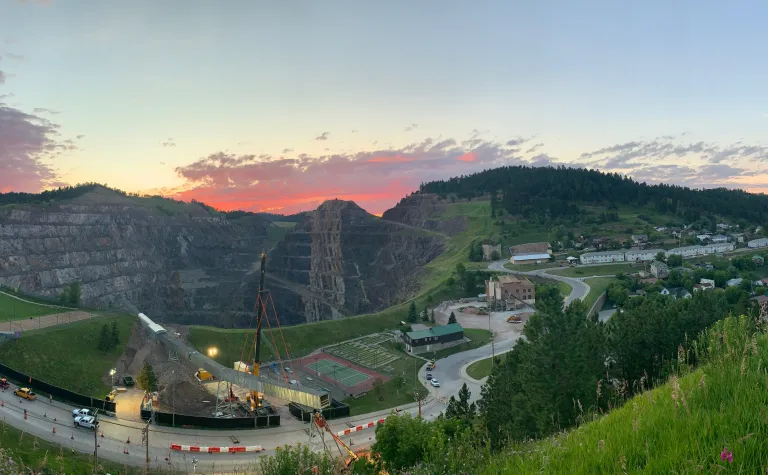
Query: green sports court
x=338, y=372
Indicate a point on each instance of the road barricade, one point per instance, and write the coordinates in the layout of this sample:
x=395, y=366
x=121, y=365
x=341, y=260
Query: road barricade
x=360, y=427
x=217, y=450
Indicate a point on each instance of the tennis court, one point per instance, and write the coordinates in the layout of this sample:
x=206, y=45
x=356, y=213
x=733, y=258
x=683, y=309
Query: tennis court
x=338, y=372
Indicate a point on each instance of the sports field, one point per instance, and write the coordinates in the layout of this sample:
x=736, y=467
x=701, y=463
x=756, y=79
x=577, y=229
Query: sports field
x=344, y=375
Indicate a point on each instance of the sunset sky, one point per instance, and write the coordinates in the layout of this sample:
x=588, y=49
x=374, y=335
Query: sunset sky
x=279, y=105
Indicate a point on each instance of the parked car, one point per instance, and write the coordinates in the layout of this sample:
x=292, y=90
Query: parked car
x=435, y=383
x=25, y=393
x=128, y=380
x=82, y=413
x=429, y=376
x=89, y=422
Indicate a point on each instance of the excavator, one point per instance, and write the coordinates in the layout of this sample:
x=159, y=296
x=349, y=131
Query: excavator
x=319, y=421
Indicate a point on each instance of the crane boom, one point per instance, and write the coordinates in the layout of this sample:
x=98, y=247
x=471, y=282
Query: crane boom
x=259, y=315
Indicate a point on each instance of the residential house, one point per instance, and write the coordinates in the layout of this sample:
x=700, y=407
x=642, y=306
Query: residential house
x=703, y=237
x=489, y=248
x=760, y=242
x=508, y=287
x=659, y=270
x=572, y=260
x=634, y=255
x=601, y=242
x=433, y=339
x=723, y=226
x=529, y=258
x=736, y=237
x=676, y=233
x=761, y=299
x=602, y=257
x=649, y=280
x=717, y=247
x=676, y=293
x=717, y=238
x=639, y=238
x=710, y=283
x=734, y=282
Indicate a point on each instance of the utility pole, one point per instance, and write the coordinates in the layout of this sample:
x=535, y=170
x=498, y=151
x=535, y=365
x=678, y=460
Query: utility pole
x=145, y=440
x=95, y=451
x=418, y=398
x=493, y=349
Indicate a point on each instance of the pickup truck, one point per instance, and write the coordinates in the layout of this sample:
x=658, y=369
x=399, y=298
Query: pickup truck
x=82, y=413
x=88, y=422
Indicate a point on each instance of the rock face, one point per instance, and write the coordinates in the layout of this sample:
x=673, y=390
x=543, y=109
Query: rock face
x=425, y=211
x=175, y=261
x=341, y=261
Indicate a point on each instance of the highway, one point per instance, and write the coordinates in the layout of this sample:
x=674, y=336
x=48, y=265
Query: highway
x=43, y=416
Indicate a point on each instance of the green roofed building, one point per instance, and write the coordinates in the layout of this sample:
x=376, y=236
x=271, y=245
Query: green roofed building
x=433, y=339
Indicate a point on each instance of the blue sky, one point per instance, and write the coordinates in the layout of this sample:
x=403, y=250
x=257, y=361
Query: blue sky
x=260, y=78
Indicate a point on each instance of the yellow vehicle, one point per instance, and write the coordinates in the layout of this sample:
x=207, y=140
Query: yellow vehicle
x=25, y=393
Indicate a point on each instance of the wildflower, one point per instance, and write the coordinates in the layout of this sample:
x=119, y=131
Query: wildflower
x=726, y=455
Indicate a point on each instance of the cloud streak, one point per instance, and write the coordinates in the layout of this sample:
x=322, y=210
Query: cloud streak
x=26, y=142
x=323, y=136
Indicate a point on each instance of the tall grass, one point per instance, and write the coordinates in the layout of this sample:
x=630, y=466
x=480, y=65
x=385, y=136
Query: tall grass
x=686, y=426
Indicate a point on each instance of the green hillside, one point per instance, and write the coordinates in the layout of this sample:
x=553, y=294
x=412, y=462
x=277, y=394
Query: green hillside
x=681, y=427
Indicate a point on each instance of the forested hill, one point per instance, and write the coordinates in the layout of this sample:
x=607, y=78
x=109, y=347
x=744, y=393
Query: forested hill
x=560, y=190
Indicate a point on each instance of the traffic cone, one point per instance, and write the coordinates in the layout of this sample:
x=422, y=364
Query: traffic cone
x=129, y=440
x=54, y=429
x=2, y=403
x=125, y=450
x=54, y=419
x=102, y=433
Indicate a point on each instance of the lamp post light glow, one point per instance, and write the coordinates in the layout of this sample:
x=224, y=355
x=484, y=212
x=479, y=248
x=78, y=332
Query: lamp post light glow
x=213, y=351
x=112, y=373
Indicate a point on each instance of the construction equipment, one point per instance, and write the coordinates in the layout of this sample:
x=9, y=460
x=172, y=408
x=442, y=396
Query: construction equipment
x=111, y=396
x=4, y=383
x=203, y=375
x=255, y=398
x=514, y=319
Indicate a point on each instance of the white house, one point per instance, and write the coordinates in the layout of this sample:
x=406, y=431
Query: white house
x=761, y=242
x=688, y=251
x=703, y=237
x=676, y=293
x=602, y=257
x=723, y=226
x=719, y=238
x=734, y=282
x=641, y=255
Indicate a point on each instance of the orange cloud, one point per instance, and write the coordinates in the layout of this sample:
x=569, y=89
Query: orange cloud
x=468, y=157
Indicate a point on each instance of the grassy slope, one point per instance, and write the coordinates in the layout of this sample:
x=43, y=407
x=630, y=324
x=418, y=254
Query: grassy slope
x=67, y=355
x=587, y=271
x=725, y=405
x=596, y=287
x=482, y=368
x=32, y=451
x=13, y=309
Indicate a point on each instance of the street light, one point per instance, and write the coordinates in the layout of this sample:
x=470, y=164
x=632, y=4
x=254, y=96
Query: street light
x=213, y=351
x=112, y=373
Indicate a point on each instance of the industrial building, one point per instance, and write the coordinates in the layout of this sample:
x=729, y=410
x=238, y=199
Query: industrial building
x=510, y=292
x=433, y=339
x=602, y=257
x=529, y=258
x=659, y=270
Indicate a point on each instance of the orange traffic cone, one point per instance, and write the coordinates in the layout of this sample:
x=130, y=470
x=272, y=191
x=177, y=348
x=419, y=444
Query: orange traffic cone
x=2, y=403
x=54, y=429
x=125, y=450
x=102, y=432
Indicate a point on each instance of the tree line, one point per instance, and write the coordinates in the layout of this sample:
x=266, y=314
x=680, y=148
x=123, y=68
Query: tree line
x=547, y=193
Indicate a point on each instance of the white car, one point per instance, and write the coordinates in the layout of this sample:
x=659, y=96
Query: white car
x=81, y=412
x=89, y=422
x=435, y=383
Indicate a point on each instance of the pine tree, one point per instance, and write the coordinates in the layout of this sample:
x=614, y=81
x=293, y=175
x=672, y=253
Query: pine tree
x=115, y=335
x=425, y=316
x=412, y=316
x=105, y=342
x=147, y=380
x=452, y=318
x=461, y=408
